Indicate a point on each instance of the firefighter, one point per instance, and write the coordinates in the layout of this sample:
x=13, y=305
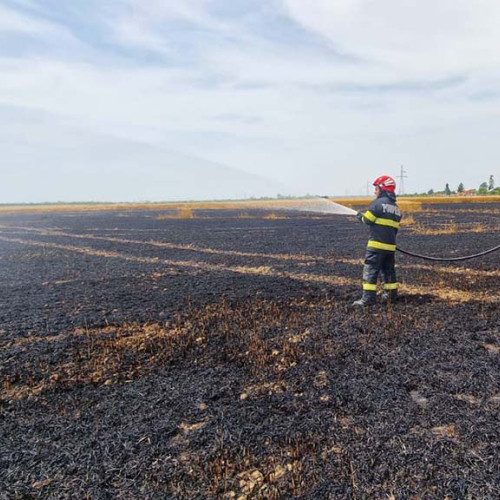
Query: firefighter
x=383, y=217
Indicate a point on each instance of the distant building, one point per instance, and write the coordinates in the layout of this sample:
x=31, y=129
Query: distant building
x=468, y=192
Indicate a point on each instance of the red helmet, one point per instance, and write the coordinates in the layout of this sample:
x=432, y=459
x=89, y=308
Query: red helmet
x=386, y=183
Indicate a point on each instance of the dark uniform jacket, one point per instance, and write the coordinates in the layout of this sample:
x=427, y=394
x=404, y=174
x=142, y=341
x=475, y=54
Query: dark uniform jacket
x=383, y=216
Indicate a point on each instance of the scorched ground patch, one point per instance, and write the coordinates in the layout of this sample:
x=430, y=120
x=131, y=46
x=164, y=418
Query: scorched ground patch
x=218, y=357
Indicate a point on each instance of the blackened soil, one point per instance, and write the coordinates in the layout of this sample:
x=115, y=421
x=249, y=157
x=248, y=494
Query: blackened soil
x=220, y=357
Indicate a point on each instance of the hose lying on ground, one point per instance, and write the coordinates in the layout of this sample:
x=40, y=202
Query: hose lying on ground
x=448, y=259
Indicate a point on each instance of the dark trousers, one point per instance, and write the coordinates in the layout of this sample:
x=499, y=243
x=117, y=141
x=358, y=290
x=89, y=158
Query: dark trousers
x=375, y=263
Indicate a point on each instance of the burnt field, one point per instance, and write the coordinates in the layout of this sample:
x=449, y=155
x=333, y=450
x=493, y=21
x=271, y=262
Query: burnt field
x=148, y=356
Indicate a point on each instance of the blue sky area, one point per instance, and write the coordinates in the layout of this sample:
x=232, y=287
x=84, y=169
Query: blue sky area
x=129, y=100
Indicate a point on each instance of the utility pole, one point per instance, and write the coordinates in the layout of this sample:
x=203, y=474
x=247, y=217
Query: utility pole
x=402, y=177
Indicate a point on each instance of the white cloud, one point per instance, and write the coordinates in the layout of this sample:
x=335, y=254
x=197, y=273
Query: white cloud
x=146, y=24
x=188, y=10
x=295, y=133
x=421, y=37
x=12, y=21
x=290, y=110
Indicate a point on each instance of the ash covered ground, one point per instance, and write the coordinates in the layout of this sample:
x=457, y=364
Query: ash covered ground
x=219, y=357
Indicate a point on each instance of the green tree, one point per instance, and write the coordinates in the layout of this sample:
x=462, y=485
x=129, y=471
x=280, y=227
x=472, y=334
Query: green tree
x=483, y=188
x=430, y=192
x=447, y=190
x=460, y=188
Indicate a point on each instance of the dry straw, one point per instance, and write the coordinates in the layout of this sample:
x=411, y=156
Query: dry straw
x=412, y=204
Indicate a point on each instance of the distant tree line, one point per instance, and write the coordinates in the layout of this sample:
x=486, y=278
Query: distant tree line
x=485, y=188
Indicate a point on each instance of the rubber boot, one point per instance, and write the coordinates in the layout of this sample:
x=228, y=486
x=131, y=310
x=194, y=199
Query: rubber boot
x=368, y=299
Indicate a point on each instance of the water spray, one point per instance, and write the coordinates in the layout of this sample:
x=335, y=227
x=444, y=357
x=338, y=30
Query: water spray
x=326, y=206
x=316, y=205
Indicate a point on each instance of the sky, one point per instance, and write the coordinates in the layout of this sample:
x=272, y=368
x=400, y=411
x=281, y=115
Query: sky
x=136, y=100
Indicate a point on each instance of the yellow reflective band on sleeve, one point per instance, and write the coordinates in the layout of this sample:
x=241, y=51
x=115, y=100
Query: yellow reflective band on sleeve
x=381, y=246
x=387, y=222
x=390, y=286
x=370, y=287
x=369, y=216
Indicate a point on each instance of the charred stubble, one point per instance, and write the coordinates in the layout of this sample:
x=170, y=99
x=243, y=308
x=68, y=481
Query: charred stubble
x=131, y=378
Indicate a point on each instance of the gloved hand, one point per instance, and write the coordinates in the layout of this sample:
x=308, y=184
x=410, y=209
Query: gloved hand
x=359, y=215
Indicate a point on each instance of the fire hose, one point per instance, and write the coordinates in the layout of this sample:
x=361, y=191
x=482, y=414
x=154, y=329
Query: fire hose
x=325, y=205
x=448, y=259
x=442, y=259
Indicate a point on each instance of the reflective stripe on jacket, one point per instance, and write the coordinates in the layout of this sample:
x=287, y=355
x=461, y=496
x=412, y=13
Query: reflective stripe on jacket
x=383, y=216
